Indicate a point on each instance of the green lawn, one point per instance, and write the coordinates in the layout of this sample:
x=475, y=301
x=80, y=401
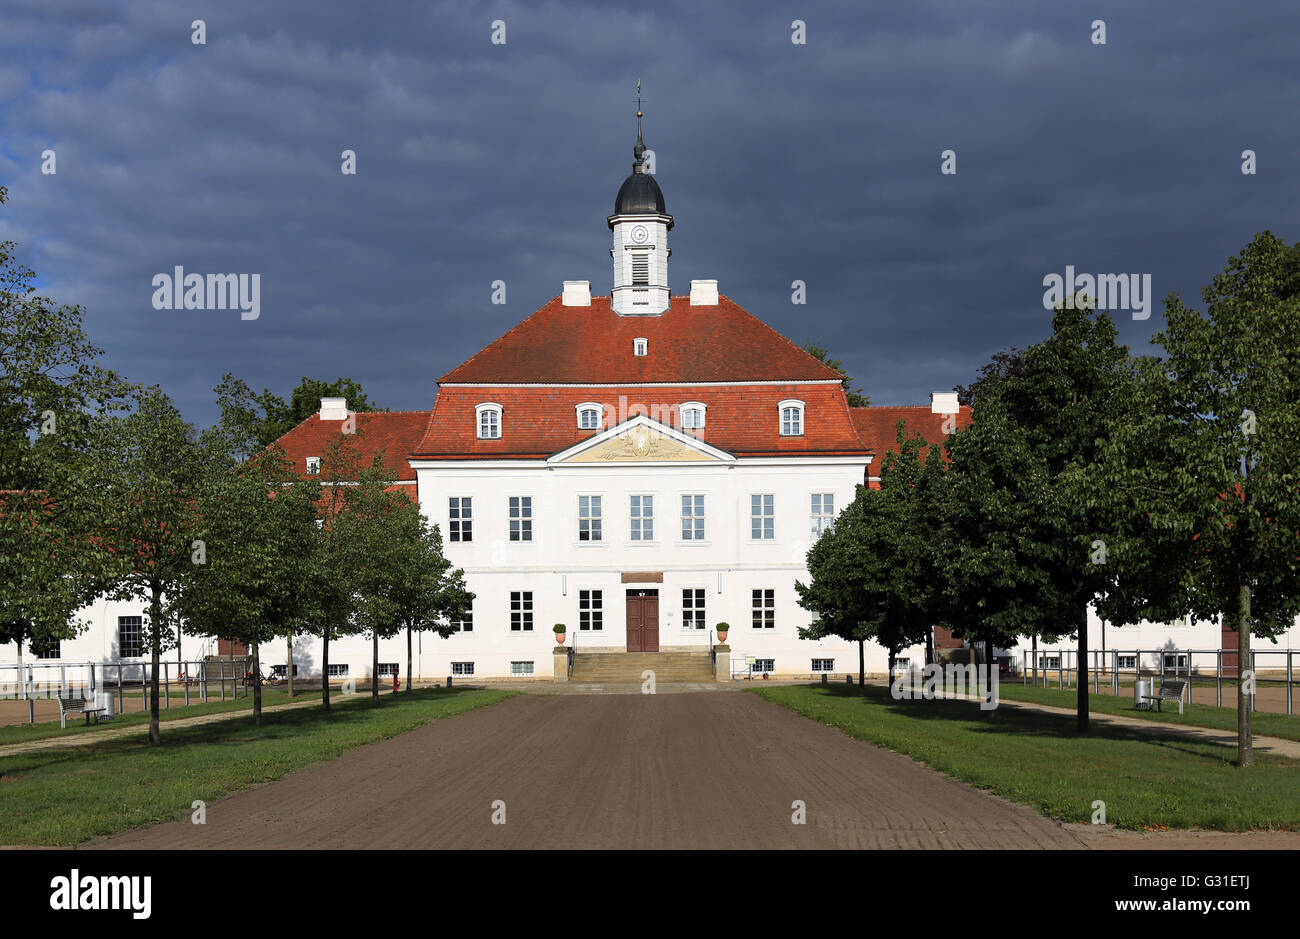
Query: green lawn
x=19, y=733
x=1264, y=723
x=1146, y=780
x=63, y=796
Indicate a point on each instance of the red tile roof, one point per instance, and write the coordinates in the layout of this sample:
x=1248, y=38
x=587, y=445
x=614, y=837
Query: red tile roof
x=537, y=422
x=392, y=433
x=687, y=344
x=878, y=426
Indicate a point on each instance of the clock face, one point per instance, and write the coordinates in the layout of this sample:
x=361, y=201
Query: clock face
x=639, y=234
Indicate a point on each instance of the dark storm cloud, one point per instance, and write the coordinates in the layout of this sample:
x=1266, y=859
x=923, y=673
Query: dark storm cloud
x=479, y=163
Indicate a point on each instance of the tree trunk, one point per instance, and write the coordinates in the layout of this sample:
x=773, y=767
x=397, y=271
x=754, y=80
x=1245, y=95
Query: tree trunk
x=257, y=684
x=180, y=656
x=892, y=659
x=1081, y=673
x=1245, y=745
x=155, y=616
x=289, y=667
x=325, y=667
x=929, y=646
x=1034, y=657
x=862, y=664
x=990, y=663
x=374, y=667
x=408, y=658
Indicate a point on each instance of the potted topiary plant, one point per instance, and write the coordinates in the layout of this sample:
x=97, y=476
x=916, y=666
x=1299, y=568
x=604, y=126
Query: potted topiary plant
x=722, y=629
x=560, y=631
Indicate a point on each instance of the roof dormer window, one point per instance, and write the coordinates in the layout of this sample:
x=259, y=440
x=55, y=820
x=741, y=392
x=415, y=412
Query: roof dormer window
x=640, y=346
x=589, y=414
x=488, y=417
x=313, y=466
x=693, y=415
x=791, y=412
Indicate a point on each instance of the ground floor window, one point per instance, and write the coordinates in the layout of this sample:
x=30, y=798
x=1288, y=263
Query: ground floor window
x=281, y=671
x=521, y=668
x=462, y=668
x=591, y=609
x=130, y=642
x=387, y=669
x=48, y=649
x=338, y=671
x=763, y=665
x=521, y=611
x=1127, y=661
x=823, y=665
x=693, y=608
x=764, y=607
x=1175, y=661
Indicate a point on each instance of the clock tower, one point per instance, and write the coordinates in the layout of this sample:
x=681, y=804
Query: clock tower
x=640, y=224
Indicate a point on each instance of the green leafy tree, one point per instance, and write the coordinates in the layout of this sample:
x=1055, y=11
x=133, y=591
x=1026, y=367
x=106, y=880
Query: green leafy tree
x=150, y=467
x=53, y=397
x=1204, y=468
x=855, y=396
x=253, y=420
x=257, y=525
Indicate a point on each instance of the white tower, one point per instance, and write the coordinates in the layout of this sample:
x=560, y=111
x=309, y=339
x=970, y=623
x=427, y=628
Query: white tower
x=640, y=225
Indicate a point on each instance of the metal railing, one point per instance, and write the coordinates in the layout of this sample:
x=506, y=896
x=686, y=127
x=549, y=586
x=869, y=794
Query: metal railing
x=47, y=679
x=1164, y=662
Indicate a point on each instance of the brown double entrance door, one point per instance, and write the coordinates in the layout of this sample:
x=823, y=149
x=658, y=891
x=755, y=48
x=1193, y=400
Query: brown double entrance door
x=642, y=620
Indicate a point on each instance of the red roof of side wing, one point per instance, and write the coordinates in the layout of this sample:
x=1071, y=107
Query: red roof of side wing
x=392, y=433
x=878, y=426
x=687, y=344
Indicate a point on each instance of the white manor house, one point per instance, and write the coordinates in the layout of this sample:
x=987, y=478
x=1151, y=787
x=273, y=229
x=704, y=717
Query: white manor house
x=641, y=467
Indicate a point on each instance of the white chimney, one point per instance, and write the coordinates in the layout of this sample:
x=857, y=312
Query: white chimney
x=576, y=293
x=944, y=402
x=333, y=409
x=704, y=293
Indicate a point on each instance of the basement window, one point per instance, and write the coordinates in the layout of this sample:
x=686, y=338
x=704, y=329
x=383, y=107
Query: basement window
x=823, y=665
x=462, y=668
x=521, y=668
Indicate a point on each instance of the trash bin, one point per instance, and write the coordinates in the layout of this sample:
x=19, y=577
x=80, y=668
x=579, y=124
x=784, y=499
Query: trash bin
x=106, y=702
x=1141, y=691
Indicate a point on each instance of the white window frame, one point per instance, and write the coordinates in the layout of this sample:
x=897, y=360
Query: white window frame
x=462, y=668
x=458, y=534
x=598, y=529
x=638, y=532
x=827, y=665
x=762, y=604
x=338, y=670
x=522, y=669
x=798, y=406
x=692, y=407
x=820, y=518
x=640, y=346
x=595, y=610
x=488, y=407
x=527, y=614
x=139, y=636
x=697, y=611
x=586, y=406
x=313, y=466
x=524, y=519
x=689, y=535
x=766, y=521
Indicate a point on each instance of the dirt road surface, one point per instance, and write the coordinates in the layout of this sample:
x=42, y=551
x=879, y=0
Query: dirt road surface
x=707, y=770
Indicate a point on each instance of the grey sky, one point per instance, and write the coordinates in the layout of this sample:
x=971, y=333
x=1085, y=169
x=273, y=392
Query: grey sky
x=478, y=162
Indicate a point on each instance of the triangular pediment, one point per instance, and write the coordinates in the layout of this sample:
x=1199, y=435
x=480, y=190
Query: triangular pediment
x=642, y=440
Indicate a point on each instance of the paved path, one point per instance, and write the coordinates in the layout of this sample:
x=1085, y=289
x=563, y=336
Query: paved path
x=707, y=770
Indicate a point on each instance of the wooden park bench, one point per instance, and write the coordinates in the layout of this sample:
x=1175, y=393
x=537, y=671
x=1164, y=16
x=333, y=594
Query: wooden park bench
x=1169, y=691
x=77, y=706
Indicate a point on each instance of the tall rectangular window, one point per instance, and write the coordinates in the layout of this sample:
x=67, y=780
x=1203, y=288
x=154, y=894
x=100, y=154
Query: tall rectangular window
x=693, y=608
x=47, y=649
x=591, y=609
x=130, y=639
x=589, y=518
x=823, y=513
x=521, y=611
x=764, y=607
x=465, y=624
x=489, y=424
x=692, y=518
x=460, y=518
x=521, y=518
x=762, y=517
x=643, y=518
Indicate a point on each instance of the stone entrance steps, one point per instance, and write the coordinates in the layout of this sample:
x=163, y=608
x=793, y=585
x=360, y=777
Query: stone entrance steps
x=628, y=666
